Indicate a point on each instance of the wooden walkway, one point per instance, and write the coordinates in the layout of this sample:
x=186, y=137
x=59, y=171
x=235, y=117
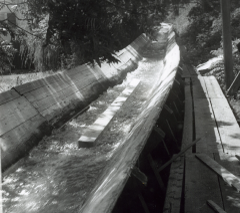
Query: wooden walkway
x=209, y=171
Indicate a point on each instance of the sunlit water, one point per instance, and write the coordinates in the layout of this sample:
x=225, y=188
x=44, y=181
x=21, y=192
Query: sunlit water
x=57, y=176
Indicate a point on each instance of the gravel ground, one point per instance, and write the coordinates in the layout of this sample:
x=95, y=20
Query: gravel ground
x=57, y=176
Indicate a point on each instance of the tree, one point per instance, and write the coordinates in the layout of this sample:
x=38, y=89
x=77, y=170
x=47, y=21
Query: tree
x=67, y=33
x=6, y=48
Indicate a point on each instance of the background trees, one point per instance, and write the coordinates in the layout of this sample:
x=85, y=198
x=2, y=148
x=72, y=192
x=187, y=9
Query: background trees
x=66, y=33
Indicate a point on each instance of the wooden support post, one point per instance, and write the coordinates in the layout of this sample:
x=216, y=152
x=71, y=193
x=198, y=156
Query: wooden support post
x=173, y=136
x=140, y=175
x=238, y=157
x=179, y=114
x=170, y=111
x=144, y=205
x=168, y=108
x=234, y=86
x=157, y=175
x=227, y=42
x=177, y=155
x=215, y=207
x=160, y=132
x=180, y=102
x=162, y=135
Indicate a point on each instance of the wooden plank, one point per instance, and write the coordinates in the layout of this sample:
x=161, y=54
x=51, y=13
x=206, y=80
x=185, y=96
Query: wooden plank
x=172, y=202
x=227, y=125
x=230, y=196
x=213, y=88
x=156, y=173
x=205, y=127
x=187, y=137
x=227, y=176
x=197, y=87
x=92, y=133
x=144, y=205
x=201, y=184
x=190, y=69
x=238, y=157
x=215, y=207
x=178, y=155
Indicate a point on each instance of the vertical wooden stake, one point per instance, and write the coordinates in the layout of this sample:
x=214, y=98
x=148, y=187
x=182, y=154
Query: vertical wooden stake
x=157, y=175
x=227, y=42
x=144, y=205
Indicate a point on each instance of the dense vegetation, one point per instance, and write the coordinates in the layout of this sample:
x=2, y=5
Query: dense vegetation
x=204, y=32
x=66, y=33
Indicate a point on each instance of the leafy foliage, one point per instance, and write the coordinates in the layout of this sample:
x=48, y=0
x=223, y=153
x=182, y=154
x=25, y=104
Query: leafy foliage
x=6, y=49
x=204, y=34
x=67, y=33
x=72, y=32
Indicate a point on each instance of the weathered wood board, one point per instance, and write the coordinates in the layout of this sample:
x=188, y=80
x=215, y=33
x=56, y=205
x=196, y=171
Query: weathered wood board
x=226, y=122
x=205, y=127
x=227, y=176
x=201, y=184
x=215, y=207
x=188, y=117
x=230, y=196
x=172, y=202
x=90, y=135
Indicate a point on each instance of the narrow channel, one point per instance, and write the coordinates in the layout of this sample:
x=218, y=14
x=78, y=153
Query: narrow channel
x=57, y=176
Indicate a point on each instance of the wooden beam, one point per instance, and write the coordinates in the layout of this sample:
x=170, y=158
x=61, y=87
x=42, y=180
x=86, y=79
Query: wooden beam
x=144, y=205
x=177, y=155
x=156, y=173
x=140, y=175
x=162, y=135
x=227, y=42
x=238, y=157
x=234, y=86
x=160, y=132
x=201, y=184
x=90, y=135
x=227, y=176
x=215, y=207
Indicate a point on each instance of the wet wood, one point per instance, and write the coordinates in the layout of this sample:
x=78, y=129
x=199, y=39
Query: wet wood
x=112, y=181
x=90, y=135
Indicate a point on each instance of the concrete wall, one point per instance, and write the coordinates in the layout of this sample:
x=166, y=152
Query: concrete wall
x=30, y=111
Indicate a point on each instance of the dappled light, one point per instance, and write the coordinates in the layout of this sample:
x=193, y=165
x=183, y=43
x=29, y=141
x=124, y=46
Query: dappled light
x=58, y=173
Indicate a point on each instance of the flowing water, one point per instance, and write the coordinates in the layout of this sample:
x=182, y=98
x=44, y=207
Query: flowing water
x=57, y=176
